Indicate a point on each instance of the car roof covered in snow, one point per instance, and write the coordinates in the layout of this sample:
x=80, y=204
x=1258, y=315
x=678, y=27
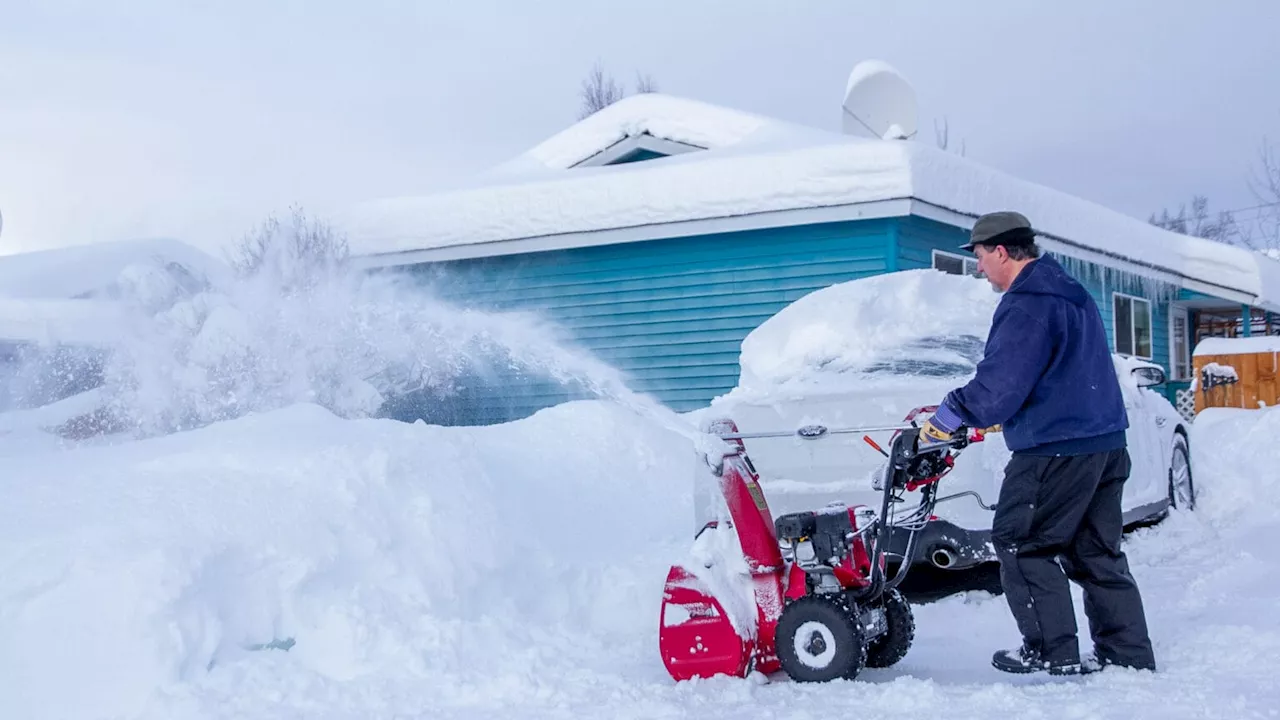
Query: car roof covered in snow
x=752, y=167
x=876, y=325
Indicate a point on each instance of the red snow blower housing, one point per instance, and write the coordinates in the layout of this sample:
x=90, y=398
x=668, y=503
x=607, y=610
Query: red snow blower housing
x=824, y=607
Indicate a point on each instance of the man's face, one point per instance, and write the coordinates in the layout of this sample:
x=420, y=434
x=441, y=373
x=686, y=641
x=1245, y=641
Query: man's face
x=994, y=264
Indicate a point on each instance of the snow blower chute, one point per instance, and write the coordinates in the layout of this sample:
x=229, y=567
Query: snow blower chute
x=815, y=599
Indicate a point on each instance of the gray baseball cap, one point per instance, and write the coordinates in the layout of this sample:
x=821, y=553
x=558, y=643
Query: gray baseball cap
x=1001, y=228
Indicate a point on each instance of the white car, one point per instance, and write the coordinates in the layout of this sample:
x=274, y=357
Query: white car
x=867, y=352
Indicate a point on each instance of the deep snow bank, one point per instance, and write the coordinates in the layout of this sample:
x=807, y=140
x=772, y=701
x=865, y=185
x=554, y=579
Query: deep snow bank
x=382, y=550
x=515, y=571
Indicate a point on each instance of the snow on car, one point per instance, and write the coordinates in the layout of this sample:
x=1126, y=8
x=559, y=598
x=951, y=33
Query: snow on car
x=865, y=353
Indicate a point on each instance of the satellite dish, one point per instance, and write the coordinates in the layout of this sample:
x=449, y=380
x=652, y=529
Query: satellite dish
x=879, y=103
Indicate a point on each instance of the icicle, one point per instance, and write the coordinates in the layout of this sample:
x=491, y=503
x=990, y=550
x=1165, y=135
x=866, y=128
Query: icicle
x=1130, y=282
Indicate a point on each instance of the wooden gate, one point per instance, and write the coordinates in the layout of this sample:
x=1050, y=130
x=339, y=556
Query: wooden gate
x=1237, y=372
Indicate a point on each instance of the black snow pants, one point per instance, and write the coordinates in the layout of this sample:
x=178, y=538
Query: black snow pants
x=1060, y=518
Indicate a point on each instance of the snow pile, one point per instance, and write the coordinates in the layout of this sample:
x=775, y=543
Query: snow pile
x=868, y=324
x=297, y=565
x=299, y=551
x=1234, y=453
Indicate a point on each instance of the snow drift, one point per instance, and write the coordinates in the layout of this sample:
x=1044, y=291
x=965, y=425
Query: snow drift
x=295, y=564
x=332, y=551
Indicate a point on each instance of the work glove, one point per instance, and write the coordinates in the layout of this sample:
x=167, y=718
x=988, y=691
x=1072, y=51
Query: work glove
x=941, y=427
x=987, y=431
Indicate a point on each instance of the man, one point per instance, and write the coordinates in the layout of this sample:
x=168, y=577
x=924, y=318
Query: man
x=1047, y=378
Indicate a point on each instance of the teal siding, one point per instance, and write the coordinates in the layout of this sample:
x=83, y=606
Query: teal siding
x=669, y=314
x=1159, y=316
x=919, y=237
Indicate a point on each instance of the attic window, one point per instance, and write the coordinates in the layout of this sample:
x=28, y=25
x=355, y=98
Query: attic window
x=638, y=148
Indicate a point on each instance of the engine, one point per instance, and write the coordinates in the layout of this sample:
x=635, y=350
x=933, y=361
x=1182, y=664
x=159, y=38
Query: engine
x=829, y=543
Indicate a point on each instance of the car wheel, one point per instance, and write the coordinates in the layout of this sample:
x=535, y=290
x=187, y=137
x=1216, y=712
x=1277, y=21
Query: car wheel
x=1182, y=488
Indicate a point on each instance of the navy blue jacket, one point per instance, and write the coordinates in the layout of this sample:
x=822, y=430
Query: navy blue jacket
x=1047, y=374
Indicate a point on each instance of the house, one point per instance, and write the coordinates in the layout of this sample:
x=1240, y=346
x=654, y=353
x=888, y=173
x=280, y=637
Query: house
x=661, y=230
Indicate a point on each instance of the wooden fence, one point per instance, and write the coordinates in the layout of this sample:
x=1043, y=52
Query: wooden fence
x=1252, y=385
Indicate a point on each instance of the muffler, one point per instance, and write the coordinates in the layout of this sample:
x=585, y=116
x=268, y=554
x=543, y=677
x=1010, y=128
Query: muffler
x=942, y=557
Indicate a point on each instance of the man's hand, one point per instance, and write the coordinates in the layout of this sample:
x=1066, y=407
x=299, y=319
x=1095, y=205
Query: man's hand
x=941, y=427
x=931, y=434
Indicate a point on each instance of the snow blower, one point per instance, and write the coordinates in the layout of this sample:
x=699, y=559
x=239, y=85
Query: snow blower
x=815, y=599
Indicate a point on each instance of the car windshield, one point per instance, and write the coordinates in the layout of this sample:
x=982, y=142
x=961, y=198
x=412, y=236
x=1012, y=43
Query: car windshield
x=932, y=356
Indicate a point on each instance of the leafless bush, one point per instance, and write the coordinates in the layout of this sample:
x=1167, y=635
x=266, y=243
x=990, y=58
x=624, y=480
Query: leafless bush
x=600, y=90
x=297, y=254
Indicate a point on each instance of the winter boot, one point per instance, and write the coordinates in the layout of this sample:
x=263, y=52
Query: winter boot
x=1024, y=660
x=1093, y=663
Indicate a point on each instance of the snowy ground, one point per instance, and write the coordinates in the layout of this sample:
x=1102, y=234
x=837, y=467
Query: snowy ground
x=268, y=552
x=515, y=571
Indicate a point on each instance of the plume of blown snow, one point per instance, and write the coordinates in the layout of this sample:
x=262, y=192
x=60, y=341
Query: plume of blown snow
x=295, y=331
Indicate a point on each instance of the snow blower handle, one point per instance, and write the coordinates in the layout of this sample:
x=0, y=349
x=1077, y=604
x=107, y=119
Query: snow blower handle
x=813, y=432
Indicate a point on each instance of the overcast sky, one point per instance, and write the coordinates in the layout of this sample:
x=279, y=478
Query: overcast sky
x=154, y=119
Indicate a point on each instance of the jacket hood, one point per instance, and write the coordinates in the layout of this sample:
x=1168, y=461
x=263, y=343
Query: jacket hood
x=1045, y=276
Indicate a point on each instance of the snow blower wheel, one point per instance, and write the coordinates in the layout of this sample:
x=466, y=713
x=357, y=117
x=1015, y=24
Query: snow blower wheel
x=890, y=647
x=820, y=639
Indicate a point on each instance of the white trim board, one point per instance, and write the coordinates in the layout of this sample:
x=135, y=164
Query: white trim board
x=1133, y=326
x=632, y=143
x=564, y=241
x=878, y=209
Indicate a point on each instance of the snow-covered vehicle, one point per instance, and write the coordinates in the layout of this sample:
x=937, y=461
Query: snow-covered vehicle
x=865, y=353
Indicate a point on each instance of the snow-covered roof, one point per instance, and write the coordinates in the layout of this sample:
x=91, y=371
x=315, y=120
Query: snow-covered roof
x=662, y=116
x=82, y=270
x=757, y=172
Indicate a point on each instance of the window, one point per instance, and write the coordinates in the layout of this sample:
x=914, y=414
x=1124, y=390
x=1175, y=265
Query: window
x=954, y=264
x=1132, y=319
x=1179, y=349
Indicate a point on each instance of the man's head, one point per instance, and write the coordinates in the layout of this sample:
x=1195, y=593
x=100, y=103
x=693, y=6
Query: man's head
x=1004, y=243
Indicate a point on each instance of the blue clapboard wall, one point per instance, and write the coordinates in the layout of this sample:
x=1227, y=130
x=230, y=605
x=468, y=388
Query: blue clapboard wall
x=671, y=314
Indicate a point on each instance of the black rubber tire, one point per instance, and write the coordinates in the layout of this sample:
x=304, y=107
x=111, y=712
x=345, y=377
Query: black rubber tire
x=830, y=623
x=886, y=650
x=1180, y=446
